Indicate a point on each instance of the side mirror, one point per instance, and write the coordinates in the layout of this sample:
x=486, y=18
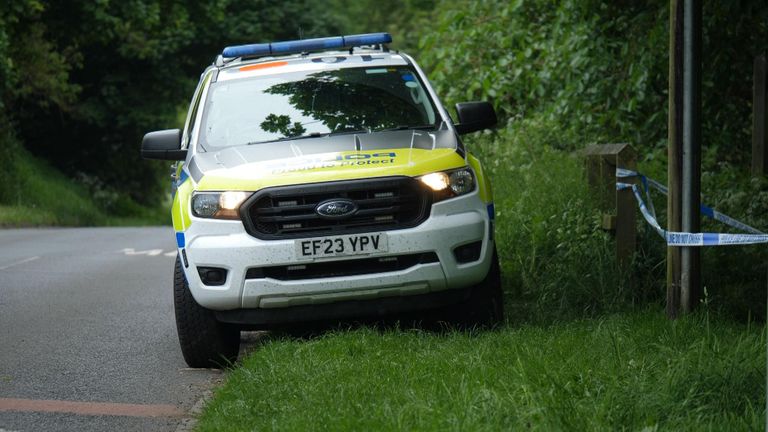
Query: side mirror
x=164, y=145
x=474, y=116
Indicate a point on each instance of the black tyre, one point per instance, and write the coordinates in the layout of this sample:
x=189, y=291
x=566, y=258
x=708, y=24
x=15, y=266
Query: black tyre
x=485, y=306
x=205, y=342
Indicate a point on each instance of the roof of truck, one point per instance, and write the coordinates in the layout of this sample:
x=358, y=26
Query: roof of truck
x=319, y=61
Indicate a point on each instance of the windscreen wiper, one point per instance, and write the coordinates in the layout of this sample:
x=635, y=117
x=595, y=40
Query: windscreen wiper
x=358, y=131
x=407, y=127
x=291, y=138
x=313, y=135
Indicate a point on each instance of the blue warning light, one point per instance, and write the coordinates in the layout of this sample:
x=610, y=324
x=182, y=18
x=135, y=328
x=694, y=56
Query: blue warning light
x=306, y=45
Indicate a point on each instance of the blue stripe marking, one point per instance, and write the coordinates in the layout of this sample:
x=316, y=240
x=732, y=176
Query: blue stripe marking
x=491, y=211
x=711, y=239
x=707, y=211
x=180, y=239
x=183, y=176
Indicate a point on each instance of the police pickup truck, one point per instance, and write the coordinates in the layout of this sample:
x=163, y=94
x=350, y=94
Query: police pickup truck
x=322, y=179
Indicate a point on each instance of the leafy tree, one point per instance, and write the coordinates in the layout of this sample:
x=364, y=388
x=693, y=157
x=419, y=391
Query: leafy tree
x=596, y=70
x=406, y=20
x=82, y=81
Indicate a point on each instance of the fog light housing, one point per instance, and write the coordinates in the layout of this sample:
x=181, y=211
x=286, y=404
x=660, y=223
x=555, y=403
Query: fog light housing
x=212, y=276
x=468, y=253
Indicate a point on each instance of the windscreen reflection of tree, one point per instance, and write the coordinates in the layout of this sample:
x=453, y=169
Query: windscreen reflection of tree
x=282, y=123
x=341, y=104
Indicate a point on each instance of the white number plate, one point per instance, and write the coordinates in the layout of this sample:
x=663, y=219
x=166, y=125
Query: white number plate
x=353, y=244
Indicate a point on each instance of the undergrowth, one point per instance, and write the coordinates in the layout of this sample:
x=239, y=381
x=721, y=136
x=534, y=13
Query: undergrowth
x=38, y=195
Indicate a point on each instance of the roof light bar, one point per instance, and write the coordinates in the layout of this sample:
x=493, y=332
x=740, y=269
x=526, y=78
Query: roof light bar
x=297, y=46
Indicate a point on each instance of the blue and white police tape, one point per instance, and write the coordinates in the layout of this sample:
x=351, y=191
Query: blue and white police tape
x=682, y=238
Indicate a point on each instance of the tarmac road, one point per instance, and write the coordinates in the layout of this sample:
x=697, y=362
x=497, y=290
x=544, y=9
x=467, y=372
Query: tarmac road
x=87, y=333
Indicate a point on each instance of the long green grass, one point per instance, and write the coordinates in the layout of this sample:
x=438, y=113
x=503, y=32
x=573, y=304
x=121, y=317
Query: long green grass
x=39, y=195
x=557, y=260
x=635, y=371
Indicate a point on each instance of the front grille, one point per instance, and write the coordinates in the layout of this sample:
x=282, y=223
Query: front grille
x=382, y=204
x=341, y=268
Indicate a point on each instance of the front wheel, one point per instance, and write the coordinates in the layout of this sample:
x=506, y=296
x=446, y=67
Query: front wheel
x=485, y=305
x=205, y=342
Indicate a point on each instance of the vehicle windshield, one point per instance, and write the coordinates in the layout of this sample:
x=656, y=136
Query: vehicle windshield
x=310, y=104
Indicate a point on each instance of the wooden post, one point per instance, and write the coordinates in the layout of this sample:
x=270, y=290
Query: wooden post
x=759, y=117
x=684, y=154
x=674, y=152
x=618, y=207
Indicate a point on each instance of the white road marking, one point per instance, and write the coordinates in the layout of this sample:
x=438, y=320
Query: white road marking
x=148, y=252
x=26, y=260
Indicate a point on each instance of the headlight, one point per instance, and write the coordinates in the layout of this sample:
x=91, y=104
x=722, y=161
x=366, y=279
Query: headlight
x=218, y=205
x=449, y=184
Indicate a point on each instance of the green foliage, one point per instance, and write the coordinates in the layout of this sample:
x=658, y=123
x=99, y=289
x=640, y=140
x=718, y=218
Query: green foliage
x=734, y=33
x=31, y=65
x=624, y=372
x=735, y=276
x=81, y=82
x=595, y=68
x=405, y=20
x=8, y=148
x=557, y=262
x=569, y=73
x=37, y=186
x=42, y=196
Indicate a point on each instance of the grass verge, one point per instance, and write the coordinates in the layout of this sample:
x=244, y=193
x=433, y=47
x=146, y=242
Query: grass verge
x=635, y=371
x=42, y=196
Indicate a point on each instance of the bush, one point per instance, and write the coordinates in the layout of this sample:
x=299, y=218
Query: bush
x=570, y=73
x=557, y=261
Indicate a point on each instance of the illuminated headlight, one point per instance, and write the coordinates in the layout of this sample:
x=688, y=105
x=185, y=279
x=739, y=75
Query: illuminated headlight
x=449, y=184
x=218, y=205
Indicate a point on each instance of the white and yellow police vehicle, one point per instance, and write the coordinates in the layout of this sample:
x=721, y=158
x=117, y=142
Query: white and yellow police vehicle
x=322, y=179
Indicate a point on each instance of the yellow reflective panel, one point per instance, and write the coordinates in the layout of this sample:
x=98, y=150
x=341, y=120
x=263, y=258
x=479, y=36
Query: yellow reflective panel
x=486, y=193
x=330, y=167
x=180, y=209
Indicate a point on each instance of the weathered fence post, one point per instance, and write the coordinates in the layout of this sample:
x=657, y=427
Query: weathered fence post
x=618, y=207
x=760, y=117
x=760, y=139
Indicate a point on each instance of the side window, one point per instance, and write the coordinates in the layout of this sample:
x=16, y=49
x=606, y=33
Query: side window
x=192, y=113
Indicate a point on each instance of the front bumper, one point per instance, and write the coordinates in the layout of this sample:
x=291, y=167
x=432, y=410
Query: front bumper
x=225, y=244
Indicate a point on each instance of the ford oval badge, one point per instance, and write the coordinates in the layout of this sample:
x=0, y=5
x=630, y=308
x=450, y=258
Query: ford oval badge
x=336, y=208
